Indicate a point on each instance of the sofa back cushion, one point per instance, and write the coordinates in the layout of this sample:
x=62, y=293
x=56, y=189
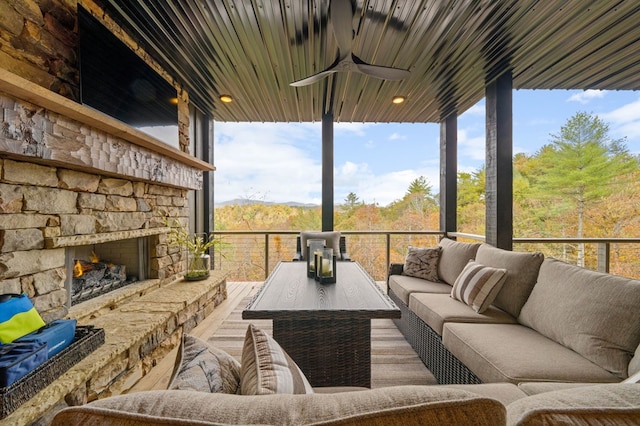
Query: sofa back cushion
x=610, y=404
x=522, y=272
x=400, y=405
x=593, y=313
x=454, y=258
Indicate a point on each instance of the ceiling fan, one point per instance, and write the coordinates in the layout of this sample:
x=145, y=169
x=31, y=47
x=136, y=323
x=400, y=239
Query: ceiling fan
x=341, y=18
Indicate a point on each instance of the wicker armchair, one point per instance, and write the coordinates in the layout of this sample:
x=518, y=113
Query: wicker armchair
x=334, y=240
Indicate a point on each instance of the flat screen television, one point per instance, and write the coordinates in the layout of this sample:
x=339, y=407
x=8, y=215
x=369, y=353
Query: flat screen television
x=117, y=82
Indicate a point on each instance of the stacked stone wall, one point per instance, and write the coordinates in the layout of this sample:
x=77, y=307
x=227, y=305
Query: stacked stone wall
x=39, y=42
x=40, y=204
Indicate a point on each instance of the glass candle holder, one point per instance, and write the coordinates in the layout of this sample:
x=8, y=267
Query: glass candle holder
x=326, y=267
x=313, y=246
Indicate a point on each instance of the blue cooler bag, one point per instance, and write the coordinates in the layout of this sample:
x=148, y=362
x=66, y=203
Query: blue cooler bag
x=18, y=359
x=57, y=335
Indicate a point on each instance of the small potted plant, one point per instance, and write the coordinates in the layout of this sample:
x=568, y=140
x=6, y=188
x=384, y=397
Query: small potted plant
x=197, y=245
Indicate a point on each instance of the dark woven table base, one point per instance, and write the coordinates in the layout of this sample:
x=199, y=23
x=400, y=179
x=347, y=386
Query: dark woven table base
x=446, y=368
x=329, y=352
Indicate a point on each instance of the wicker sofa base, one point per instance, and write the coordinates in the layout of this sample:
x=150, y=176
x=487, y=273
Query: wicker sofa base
x=86, y=340
x=446, y=368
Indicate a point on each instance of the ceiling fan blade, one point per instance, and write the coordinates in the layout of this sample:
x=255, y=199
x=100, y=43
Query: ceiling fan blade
x=341, y=18
x=312, y=79
x=379, y=71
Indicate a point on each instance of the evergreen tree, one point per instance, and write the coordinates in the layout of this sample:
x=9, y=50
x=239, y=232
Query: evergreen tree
x=580, y=166
x=352, y=201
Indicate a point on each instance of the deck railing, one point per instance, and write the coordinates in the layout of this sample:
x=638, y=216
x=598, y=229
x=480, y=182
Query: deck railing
x=251, y=255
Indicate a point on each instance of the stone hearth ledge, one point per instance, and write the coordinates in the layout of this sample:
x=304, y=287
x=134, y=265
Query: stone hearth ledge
x=137, y=334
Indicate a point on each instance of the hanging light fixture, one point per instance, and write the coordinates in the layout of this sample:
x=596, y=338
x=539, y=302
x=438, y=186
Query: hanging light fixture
x=398, y=99
x=226, y=98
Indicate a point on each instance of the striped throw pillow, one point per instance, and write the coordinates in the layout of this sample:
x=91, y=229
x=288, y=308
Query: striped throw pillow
x=267, y=369
x=478, y=285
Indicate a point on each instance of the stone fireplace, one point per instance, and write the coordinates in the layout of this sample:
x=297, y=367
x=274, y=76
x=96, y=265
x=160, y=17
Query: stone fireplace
x=96, y=269
x=67, y=187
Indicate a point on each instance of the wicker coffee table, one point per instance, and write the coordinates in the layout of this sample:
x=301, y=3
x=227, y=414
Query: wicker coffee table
x=325, y=328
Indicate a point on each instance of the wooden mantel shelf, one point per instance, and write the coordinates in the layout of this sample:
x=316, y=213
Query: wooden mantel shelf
x=26, y=90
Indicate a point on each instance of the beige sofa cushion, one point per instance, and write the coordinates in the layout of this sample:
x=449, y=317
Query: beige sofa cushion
x=522, y=272
x=437, y=309
x=534, y=388
x=593, y=313
x=506, y=393
x=515, y=353
x=403, y=286
x=454, y=258
x=593, y=405
x=402, y=405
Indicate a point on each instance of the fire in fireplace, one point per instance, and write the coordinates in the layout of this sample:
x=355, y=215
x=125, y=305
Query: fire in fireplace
x=94, y=277
x=97, y=269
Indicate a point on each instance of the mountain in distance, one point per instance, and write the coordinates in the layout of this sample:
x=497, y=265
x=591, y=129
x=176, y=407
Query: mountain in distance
x=246, y=202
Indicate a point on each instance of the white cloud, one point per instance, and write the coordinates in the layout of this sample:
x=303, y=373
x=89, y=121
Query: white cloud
x=382, y=189
x=269, y=161
x=397, y=136
x=477, y=109
x=628, y=113
x=359, y=129
x=472, y=147
x=586, y=96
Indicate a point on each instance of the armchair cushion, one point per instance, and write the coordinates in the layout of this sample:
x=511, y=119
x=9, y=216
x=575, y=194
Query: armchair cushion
x=332, y=241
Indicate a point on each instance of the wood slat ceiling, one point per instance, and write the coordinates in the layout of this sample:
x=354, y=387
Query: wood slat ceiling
x=253, y=49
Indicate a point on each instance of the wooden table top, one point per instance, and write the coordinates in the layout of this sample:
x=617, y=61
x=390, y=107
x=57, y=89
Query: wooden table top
x=289, y=294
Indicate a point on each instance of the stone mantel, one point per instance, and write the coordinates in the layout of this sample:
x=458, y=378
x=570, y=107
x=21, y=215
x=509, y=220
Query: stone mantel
x=105, y=237
x=22, y=89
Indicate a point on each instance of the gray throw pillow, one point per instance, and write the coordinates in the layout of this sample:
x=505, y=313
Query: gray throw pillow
x=422, y=263
x=204, y=368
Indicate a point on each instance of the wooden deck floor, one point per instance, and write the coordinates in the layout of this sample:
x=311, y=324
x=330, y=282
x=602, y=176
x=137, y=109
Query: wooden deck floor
x=393, y=361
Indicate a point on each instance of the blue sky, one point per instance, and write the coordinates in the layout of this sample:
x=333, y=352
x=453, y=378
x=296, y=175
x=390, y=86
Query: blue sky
x=281, y=162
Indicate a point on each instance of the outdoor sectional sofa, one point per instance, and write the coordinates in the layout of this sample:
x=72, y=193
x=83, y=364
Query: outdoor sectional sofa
x=549, y=322
x=522, y=341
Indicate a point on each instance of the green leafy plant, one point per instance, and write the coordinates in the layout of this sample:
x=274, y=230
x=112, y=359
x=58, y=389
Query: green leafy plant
x=197, y=246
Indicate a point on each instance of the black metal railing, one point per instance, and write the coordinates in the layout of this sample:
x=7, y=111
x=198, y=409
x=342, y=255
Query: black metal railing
x=251, y=255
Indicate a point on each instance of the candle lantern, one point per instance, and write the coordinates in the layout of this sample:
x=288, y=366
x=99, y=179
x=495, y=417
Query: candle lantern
x=326, y=267
x=313, y=246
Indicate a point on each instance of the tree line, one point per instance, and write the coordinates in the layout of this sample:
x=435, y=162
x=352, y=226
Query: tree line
x=582, y=184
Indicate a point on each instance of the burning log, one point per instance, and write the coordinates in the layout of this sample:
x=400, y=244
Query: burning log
x=90, y=277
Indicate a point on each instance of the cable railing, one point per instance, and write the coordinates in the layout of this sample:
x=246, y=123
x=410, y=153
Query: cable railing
x=252, y=255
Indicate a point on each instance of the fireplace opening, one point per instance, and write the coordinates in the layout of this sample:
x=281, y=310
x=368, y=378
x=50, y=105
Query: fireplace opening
x=96, y=269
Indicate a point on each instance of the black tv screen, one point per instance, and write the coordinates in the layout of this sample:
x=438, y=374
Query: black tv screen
x=117, y=82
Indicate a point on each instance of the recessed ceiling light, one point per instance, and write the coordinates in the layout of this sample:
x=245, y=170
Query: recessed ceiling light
x=398, y=99
x=226, y=98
